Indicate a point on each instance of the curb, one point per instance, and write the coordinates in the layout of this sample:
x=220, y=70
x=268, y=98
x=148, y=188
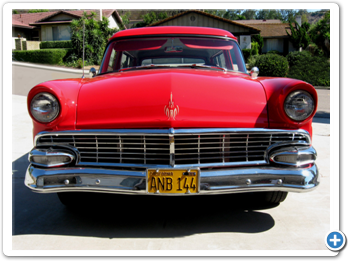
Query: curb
x=322, y=87
x=52, y=68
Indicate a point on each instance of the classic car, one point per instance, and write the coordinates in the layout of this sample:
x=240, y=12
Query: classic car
x=173, y=111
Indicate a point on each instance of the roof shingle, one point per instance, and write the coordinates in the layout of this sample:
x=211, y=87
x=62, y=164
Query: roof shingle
x=277, y=30
x=29, y=20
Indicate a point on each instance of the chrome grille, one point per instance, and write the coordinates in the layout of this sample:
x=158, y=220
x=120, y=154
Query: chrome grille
x=149, y=149
x=115, y=148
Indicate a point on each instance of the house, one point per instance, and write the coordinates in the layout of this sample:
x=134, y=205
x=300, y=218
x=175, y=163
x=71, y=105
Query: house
x=273, y=31
x=243, y=32
x=55, y=26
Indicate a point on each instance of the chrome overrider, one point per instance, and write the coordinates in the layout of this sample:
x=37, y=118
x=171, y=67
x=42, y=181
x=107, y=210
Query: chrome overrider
x=270, y=175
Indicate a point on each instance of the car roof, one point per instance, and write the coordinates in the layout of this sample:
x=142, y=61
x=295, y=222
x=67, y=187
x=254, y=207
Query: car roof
x=165, y=30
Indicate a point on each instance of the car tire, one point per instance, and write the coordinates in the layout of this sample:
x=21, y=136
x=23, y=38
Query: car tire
x=275, y=197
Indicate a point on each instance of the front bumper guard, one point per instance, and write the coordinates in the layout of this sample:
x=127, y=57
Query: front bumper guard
x=216, y=181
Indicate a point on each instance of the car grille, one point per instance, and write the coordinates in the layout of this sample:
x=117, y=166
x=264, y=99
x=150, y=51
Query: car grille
x=155, y=149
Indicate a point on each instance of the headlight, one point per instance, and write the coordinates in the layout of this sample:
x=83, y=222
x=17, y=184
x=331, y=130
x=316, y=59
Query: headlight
x=299, y=105
x=44, y=107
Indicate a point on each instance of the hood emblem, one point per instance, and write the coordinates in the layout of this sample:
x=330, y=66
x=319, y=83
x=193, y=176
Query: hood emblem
x=171, y=110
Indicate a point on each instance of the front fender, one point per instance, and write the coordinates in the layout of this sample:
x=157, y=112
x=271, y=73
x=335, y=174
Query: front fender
x=66, y=91
x=277, y=89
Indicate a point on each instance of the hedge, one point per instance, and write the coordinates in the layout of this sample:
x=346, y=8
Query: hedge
x=55, y=44
x=294, y=57
x=272, y=65
x=50, y=56
x=312, y=69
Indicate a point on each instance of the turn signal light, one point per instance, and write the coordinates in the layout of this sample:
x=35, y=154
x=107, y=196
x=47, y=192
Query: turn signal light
x=294, y=156
x=50, y=157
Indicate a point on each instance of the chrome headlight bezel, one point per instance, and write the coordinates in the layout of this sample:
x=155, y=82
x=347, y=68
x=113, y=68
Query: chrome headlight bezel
x=44, y=107
x=299, y=105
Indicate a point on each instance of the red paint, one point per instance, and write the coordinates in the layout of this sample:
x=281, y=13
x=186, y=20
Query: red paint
x=206, y=98
x=158, y=30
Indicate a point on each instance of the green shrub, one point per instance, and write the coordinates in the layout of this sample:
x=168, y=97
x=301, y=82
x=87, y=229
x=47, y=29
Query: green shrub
x=257, y=38
x=315, y=50
x=79, y=63
x=254, y=48
x=252, y=60
x=274, y=52
x=312, y=69
x=55, y=44
x=50, y=56
x=293, y=57
x=246, y=53
x=272, y=65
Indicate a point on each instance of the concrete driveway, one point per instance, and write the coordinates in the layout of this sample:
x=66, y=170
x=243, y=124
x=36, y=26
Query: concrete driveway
x=41, y=222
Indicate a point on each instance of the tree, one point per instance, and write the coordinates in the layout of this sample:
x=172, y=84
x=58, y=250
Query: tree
x=320, y=34
x=299, y=36
x=151, y=18
x=38, y=10
x=97, y=34
x=234, y=15
x=15, y=12
x=288, y=14
x=125, y=20
x=268, y=14
x=249, y=14
x=258, y=39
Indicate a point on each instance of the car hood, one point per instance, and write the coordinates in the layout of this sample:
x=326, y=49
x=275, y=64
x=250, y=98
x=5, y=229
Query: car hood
x=165, y=98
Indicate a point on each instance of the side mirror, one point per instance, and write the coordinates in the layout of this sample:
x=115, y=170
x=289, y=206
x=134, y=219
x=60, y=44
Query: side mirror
x=254, y=72
x=92, y=72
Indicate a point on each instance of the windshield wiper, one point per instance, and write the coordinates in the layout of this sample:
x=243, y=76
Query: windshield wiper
x=147, y=66
x=204, y=66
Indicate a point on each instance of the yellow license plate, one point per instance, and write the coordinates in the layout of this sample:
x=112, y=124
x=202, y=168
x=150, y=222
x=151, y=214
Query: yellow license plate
x=172, y=181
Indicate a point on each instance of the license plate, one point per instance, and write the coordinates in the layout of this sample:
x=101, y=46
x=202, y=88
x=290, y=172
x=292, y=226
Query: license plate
x=172, y=181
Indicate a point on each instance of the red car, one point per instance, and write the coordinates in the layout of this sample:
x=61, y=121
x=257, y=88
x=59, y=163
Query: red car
x=173, y=111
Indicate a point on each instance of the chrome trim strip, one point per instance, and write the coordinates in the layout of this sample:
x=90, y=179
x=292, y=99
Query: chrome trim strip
x=202, y=165
x=172, y=150
x=212, y=181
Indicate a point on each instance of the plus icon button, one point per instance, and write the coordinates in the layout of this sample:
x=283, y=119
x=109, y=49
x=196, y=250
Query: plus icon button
x=335, y=240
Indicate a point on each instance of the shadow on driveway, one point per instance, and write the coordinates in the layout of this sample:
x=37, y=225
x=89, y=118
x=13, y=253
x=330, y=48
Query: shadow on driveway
x=128, y=216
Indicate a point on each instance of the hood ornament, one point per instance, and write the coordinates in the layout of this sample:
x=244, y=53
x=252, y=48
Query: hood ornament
x=171, y=110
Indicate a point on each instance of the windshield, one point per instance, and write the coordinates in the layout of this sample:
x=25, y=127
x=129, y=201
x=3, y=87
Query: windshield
x=164, y=52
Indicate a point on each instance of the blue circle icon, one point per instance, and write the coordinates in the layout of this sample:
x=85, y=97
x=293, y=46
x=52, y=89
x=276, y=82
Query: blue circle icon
x=335, y=240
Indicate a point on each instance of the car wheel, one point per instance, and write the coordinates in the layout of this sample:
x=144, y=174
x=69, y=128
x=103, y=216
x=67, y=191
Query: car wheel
x=275, y=197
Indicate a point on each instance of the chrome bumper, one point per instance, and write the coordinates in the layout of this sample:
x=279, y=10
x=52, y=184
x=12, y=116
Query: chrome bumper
x=217, y=181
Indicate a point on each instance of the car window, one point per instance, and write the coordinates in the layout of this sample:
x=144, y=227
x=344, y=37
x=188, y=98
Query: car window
x=112, y=61
x=174, y=52
x=126, y=60
x=219, y=60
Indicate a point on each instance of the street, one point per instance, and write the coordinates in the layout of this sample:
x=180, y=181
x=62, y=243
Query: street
x=114, y=222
